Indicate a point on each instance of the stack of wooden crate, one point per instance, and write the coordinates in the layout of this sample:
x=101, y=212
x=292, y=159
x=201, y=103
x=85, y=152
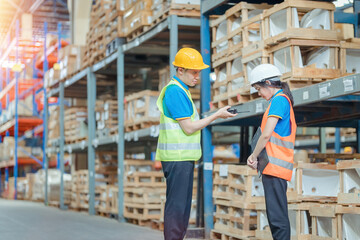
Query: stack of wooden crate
x=237, y=189
x=114, y=25
x=106, y=167
x=299, y=37
x=80, y=190
x=137, y=17
x=75, y=124
x=141, y=110
x=102, y=19
x=235, y=34
x=106, y=117
x=53, y=125
x=144, y=190
x=70, y=60
x=163, y=8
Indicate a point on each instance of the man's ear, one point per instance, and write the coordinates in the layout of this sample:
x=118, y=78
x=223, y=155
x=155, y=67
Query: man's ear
x=181, y=70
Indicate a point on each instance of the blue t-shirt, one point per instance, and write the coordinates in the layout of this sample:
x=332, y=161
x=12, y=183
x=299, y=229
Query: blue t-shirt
x=176, y=103
x=280, y=108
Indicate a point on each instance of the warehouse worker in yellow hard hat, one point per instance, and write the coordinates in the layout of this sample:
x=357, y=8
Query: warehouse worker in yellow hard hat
x=179, y=140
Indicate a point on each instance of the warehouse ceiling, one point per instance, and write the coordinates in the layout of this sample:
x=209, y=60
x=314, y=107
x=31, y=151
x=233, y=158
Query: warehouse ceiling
x=50, y=11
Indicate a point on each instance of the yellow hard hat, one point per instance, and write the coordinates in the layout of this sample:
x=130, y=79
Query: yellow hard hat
x=347, y=149
x=189, y=58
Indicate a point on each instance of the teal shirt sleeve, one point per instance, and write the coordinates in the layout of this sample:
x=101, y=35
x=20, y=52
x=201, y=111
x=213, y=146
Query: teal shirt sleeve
x=176, y=103
x=280, y=108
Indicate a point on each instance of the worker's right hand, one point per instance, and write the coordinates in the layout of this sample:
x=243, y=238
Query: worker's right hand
x=223, y=113
x=252, y=161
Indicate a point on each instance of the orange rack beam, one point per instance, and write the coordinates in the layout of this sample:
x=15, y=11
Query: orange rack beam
x=24, y=125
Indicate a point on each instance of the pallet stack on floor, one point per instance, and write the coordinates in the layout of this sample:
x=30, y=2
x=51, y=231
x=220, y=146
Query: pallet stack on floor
x=236, y=191
x=105, y=178
x=299, y=37
x=144, y=190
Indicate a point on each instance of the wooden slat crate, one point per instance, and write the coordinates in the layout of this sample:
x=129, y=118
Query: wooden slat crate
x=349, y=171
x=349, y=56
x=305, y=62
x=161, y=9
x=113, y=195
x=228, y=29
x=324, y=222
x=141, y=110
x=80, y=190
x=114, y=25
x=145, y=179
x=75, y=127
x=315, y=182
x=244, y=185
x=283, y=21
x=140, y=211
x=243, y=219
x=298, y=217
x=230, y=87
x=222, y=215
x=221, y=183
x=332, y=157
x=103, y=200
x=106, y=167
x=348, y=222
x=132, y=166
x=137, y=19
x=144, y=195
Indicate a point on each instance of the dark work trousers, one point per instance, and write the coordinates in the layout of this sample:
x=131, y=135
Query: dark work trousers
x=179, y=186
x=276, y=207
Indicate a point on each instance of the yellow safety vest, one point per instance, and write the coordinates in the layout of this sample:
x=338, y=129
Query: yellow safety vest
x=173, y=143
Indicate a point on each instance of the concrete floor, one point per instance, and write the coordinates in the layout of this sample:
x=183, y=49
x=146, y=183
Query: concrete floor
x=21, y=220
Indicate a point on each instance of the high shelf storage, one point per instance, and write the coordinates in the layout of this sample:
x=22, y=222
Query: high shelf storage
x=159, y=42
x=332, y=103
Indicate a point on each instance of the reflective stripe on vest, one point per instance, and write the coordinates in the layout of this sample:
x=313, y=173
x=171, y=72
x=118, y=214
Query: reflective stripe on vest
x=173, y=143
x=179, y=146
x=280, y=150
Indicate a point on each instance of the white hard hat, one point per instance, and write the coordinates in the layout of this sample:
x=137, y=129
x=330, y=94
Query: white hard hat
x=264, y=72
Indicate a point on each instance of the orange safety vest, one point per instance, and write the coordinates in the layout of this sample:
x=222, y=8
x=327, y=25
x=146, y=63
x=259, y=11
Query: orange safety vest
x=280, y=150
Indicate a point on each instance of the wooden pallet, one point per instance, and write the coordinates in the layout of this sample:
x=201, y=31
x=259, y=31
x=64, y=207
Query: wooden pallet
x=298, y=217
x=140, y=211
x=324, y=221
x=222, y=214
x=295, y=10
x=145, y=179
x=144, y=195
x=290, y=55
x=245, y=185
x=221, y=188
x=238, y=14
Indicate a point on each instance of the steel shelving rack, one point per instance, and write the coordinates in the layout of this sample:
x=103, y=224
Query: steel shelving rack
x=166, y=32
x=312, y=103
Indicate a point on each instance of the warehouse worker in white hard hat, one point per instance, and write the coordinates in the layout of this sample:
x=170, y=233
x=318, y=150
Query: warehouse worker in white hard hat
x=278, y=129
x=179, y=140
